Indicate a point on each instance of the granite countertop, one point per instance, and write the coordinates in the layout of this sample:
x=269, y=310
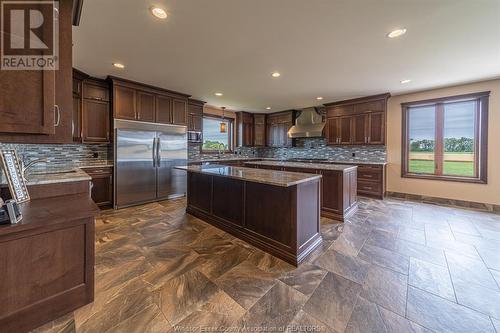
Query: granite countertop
x=270, y=177
x=304, y=165
x=52, y=176
x=356, y=162
x=224, y=159
x=97, y=165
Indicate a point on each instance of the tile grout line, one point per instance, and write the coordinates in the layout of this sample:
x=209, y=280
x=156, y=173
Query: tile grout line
x=451, y=279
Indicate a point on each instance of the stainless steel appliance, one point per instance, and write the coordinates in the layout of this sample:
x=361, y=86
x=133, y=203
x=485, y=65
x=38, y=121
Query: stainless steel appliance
x=195, y=137
x=145, y=157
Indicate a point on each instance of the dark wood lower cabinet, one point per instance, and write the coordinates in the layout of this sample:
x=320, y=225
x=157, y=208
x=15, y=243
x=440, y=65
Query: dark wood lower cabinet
x=371, y=180
x=283, y=221
x=102, y=185
x=338, y=189
x=47, y=261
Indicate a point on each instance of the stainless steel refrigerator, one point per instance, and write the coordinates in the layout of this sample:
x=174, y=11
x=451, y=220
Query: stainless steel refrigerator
x=145, y=157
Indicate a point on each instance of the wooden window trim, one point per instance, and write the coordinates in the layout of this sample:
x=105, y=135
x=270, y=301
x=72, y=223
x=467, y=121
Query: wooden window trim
x=230, y=134
x=480, y=135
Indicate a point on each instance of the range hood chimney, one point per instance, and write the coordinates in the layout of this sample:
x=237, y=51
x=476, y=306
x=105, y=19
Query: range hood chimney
x=309, y=124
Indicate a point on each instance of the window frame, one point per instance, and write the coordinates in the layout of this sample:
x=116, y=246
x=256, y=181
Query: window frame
x=480, y=138
x=230, y=134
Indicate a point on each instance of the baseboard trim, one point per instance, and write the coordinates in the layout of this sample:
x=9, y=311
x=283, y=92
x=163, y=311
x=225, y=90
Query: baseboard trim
x=491, y=208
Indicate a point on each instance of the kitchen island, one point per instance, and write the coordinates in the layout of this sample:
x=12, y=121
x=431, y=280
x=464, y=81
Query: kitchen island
x=338, y=184
x=276, y=211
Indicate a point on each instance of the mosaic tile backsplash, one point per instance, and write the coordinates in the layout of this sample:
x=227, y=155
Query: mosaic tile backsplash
x=305, y=148
x=63, y=156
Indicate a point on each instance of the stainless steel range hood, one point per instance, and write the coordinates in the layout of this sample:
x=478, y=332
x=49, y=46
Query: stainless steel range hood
x=308, y=124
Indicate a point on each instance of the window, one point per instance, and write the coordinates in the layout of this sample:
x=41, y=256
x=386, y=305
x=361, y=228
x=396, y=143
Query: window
x=446, y=138
x=213, y=139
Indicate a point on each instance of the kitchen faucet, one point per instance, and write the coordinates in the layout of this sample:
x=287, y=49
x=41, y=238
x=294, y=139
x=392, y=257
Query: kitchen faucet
x=28, y=166
x=221, y=150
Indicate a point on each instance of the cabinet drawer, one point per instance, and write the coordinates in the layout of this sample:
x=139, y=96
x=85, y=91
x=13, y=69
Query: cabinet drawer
x=369, y=187
x=370, y=174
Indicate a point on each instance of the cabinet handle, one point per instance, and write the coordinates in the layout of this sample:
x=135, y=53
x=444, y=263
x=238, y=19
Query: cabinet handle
x=368, y=188
x=57, y=120
x=369, y=139
x=368, y=176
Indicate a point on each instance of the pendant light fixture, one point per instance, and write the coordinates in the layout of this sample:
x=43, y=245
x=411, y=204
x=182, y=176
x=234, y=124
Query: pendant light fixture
x=223, y=125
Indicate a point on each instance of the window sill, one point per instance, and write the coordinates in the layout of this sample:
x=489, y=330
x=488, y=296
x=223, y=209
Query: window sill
x=446, y=178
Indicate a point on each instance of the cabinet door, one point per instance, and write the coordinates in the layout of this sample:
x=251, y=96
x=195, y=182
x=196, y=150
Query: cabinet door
x=288, y=140
x=376, y=134
x=145, y=106
x=179, y=111
x=360, y=129
x=27, y=102
x=195, y=123
x=95, y=91
x=95, y=121
x=259, y=135
x=345, y=126
x=124, y=103
x=102, y=189
x=163, y=109
x=332, y=131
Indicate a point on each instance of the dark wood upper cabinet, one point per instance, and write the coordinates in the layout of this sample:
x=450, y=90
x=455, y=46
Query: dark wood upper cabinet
x=142, y=102
x=376, y=128
x=95, y=91
x=359, y=121
x=37, y=106
x=333, y=131
x=195, y=115
x=278, y=125
x=145, y=106
x=360, y=129
x=164, y=109
x=95, y=121
x=259, y=130
x=124, y=102
x=244, y=123
x=345, y=126
x=179, y=111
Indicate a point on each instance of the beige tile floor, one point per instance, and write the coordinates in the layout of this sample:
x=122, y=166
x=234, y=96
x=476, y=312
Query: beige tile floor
x=395, y=266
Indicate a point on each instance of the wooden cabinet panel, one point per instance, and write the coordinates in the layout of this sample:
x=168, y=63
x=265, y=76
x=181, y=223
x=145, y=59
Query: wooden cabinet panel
x=372, y=106
x=124, y=101
x=164, y=109
x=332, y=192
x=333, y=131
x=376, y=133
x=278, y=126
x=95, y=121
x=345, y=126
x=94, y=91
x=360, y=129
x=145, y=106
x=179, y=111
x=102, y=186
x=244, y=122
x=259, y=130
x=195, y=123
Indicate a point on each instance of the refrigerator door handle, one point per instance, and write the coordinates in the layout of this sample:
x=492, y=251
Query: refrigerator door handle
x=158, y=153
x=154, y=152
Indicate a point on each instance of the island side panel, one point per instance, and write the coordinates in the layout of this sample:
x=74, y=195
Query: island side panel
x=269, y=212
x=199, y=192
x=350, y=201
x=227, y=200
x=308, y=218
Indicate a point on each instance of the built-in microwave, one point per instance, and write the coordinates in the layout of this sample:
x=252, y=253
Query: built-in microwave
x=195, y=137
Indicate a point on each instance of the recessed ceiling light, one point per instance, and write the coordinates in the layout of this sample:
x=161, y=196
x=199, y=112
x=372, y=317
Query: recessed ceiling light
x=396, y=33
x=405, y=81
x=219, y=94
x=268, y=108
x=118, y=65
x=158, y=12
x=319, y=98
x=275, y=74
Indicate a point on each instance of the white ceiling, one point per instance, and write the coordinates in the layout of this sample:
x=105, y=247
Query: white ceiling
x=330, y=48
